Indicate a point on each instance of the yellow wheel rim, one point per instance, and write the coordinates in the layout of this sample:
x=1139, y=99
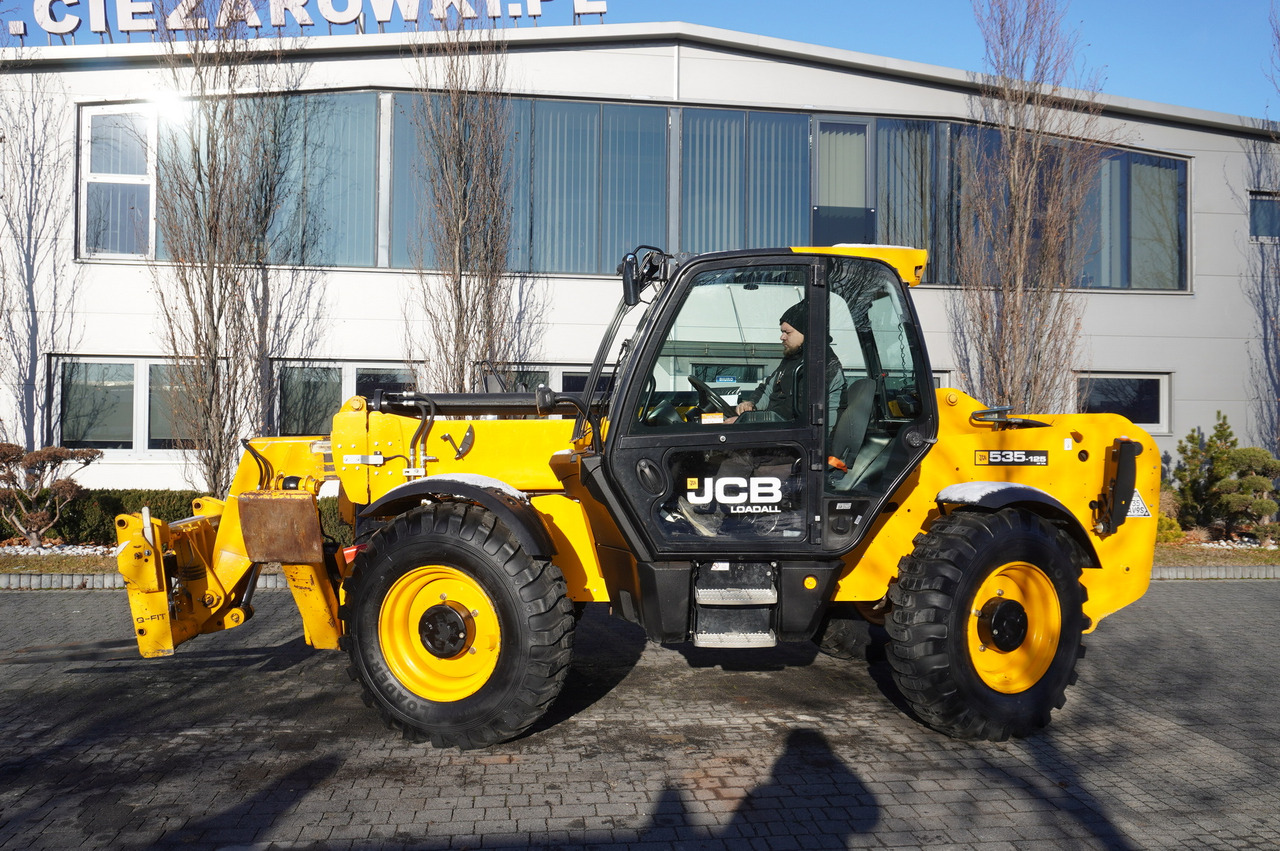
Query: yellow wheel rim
x=439, y=633
x=1014, y=626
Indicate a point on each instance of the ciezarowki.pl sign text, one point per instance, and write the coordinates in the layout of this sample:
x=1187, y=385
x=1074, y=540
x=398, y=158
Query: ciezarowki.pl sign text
x=65, y=17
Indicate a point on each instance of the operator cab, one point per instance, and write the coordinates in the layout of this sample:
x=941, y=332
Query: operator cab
x=721, y=442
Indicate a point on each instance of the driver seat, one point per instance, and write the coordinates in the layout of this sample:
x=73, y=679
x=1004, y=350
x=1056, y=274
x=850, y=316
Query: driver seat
x=851, y=425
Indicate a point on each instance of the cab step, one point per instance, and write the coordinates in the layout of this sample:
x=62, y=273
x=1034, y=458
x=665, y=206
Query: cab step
x=735, y=640
x=735, y=596
x=734, y=604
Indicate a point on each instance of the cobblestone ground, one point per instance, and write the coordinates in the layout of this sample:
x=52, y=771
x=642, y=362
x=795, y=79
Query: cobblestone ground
x=249, y=739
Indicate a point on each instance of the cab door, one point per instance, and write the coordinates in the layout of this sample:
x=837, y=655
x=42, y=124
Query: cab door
x=697, y=476
x=837, y=426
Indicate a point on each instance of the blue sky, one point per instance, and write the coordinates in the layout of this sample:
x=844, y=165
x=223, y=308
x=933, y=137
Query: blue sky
x=1208, y=55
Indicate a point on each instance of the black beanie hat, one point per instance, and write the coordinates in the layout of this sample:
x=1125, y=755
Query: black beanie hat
x=797, y=316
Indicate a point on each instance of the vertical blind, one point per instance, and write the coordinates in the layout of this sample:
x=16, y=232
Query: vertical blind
x=566, y=186
x=777, y=180
x=1157, y=224
x=905, y=198
x=633, y=178
x=713, y=184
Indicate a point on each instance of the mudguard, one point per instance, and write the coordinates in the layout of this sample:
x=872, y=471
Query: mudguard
x=996, y=495
x=993, y=496
x=510, y=506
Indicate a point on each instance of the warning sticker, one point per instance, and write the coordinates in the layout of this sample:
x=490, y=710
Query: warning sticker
x=1137, y=508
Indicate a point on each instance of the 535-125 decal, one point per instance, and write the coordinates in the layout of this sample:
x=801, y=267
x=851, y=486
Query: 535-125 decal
x=1011, y=458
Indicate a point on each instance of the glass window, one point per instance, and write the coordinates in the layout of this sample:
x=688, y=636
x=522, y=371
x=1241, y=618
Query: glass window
x=521, y=118
x=337, y=166
x=841, y=210
x=167, y=428
x=904, y=168
x=777, y=180
x=1135, y=224
x=1141, y=398
x=319, y=184
x=1264, y=215
x=726, y=340
x=117, y=184
x=633, y=175
x=745, y=180
x=713, y=190
x=411, y=246
x=524, y=379
x=1157, y=230
x=370, y=379
x=566, y=186
x=97, y=405
x=871, y=332
x=576, y=382
x=410, y=190
x=309, y=397
x=118, y=143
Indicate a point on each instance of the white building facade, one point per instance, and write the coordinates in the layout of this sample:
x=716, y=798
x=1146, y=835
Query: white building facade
x=680, y=136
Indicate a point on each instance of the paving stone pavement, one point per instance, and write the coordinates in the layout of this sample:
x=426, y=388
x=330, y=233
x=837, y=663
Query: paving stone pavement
x=251, y=740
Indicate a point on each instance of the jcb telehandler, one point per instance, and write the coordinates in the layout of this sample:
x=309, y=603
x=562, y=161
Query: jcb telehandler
x=710, y=486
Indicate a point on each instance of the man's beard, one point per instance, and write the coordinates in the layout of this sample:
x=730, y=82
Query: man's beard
x=791, y=351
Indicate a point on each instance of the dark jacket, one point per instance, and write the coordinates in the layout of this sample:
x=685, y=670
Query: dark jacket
x=782, y=391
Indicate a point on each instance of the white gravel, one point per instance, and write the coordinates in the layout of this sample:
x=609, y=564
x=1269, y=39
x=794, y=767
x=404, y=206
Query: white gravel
x=59, y=550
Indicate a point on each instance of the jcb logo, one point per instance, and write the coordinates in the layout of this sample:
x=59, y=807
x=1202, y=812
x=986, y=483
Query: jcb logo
x=734, y=490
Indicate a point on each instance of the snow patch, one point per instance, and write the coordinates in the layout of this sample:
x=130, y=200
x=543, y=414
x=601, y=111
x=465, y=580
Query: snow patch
x=478, y=481
x=967, y=493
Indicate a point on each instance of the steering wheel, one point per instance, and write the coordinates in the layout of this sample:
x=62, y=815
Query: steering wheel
x=710, y=398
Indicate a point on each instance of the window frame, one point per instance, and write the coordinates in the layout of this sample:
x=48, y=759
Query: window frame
x=141, y=401
x=86, y=177
x=348, y=372
x=1269, y=195
x=1164, y=425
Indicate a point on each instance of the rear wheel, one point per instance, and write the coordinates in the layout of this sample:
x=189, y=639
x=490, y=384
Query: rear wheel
x=454, y=632
x=987, y=622
x=844, y=634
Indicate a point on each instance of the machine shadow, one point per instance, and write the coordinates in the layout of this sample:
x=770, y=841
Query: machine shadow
x=780, y=657
x=606, y=649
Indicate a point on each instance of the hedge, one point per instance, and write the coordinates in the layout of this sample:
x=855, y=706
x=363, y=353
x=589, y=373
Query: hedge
x=90, y=518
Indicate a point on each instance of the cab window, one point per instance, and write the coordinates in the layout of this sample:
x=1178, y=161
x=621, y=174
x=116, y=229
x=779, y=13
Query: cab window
x=724, y=349
x=870, y=332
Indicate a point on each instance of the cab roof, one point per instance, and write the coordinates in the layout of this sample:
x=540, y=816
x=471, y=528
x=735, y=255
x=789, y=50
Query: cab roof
x=907, y=262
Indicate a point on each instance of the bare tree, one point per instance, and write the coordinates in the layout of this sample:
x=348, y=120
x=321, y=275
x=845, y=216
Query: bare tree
x=38, y=281
x=1262, y=282
x=232, y=234
x=1027, y=172
x=1262, y=289
x=473, y=310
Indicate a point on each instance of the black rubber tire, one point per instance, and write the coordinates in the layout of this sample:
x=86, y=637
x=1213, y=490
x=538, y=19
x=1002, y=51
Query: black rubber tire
x=933, y=601
x=844, y=634
x=528, y=597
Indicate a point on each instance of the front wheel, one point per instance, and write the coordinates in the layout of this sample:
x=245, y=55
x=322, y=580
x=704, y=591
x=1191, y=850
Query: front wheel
x=454, y=632
x=987, y=622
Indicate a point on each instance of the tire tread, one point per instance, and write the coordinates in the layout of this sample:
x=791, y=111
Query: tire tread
x=540, y=589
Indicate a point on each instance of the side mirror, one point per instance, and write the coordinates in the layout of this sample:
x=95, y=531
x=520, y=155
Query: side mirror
x=630, y=287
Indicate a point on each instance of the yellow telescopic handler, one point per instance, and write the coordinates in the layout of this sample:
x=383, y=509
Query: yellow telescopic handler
x=763, y=458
